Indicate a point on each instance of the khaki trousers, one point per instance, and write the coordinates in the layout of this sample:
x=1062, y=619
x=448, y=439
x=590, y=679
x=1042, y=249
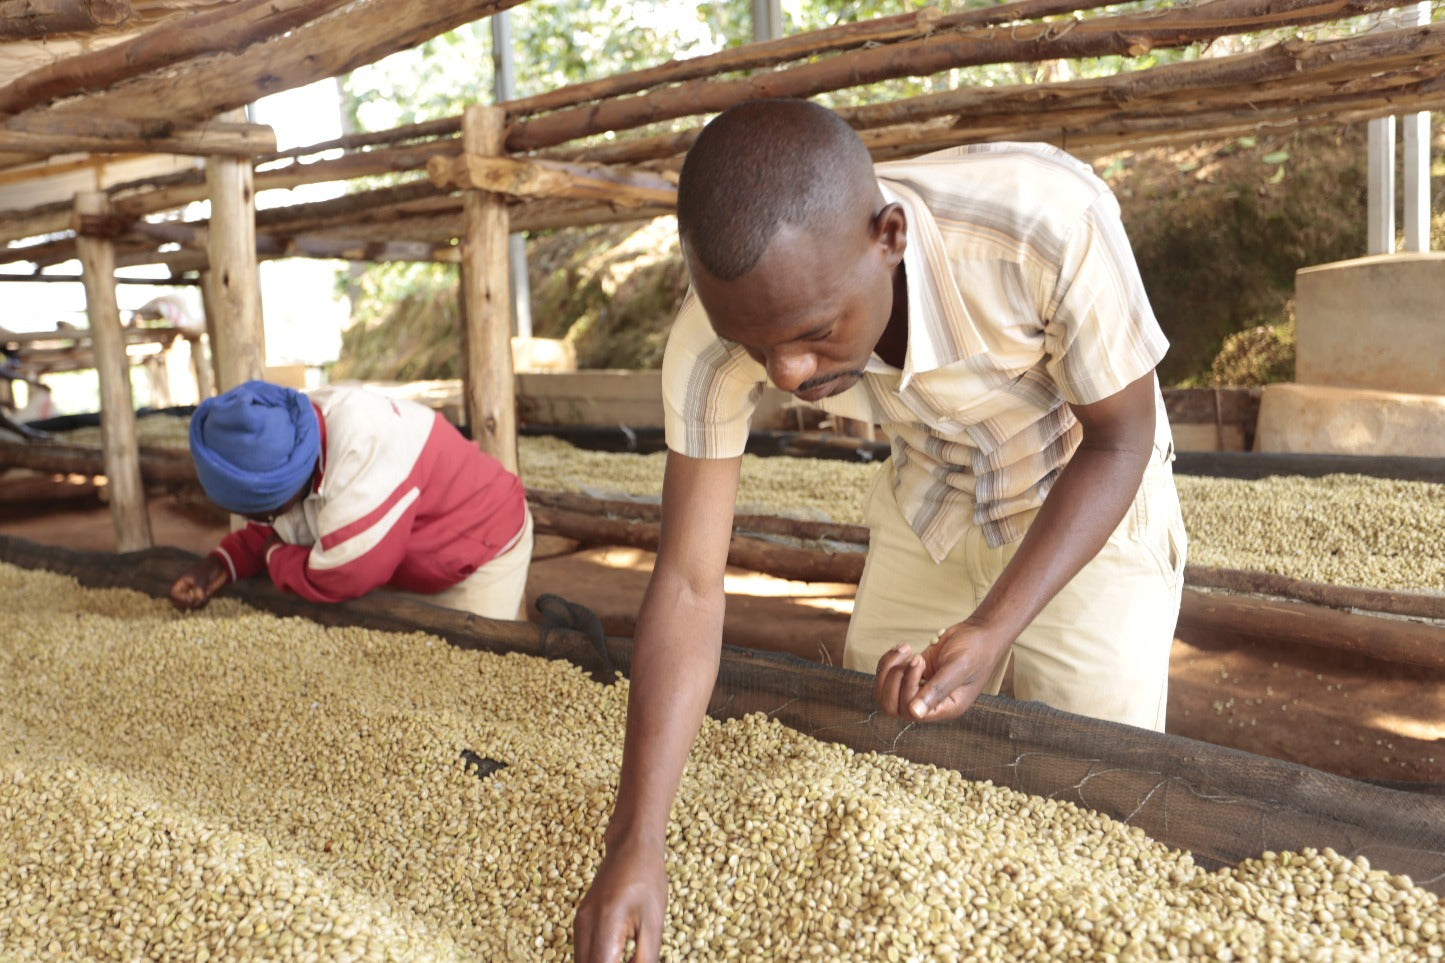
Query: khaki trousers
x=1100, y=648
x=497, y=590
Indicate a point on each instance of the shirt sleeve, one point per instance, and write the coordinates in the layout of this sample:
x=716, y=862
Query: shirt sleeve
x=292, y=567
x=242, y=550
x=1100, y=332
x=710, y=388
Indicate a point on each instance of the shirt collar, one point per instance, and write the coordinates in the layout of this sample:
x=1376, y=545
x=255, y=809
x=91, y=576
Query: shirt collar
x=924, y=246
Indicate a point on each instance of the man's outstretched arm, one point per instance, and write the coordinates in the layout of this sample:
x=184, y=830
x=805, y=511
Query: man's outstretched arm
x=674, y=667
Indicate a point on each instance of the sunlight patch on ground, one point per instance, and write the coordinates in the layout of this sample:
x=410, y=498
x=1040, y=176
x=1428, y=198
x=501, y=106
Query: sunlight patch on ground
x=841, y=606
x=634, y=559
x=1411, y=728
x=739, y=582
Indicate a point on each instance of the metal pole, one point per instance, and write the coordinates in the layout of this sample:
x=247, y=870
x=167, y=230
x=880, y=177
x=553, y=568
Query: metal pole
x=767, y=19
x=1416, y=130
x=1380, y=207
x=505, y=87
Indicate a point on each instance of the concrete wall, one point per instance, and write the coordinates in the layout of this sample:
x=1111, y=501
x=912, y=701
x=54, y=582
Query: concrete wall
x=1350, y=421
x=1373, y=322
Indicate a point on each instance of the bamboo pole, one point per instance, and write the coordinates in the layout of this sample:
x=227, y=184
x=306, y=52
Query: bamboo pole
x=237, y=329
x=118, y=434
x=488, y=387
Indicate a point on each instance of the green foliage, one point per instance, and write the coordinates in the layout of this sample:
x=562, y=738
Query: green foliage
x=1261, y=355
x=1220, y=231
x=611, y=290
x=404, y=325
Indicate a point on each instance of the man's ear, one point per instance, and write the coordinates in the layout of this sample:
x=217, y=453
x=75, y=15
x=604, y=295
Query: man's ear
x=890, y=229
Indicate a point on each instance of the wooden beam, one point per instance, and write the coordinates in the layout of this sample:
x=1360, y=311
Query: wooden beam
x=754, y=554
x=157, y=466
x=346, y=36
x=193, y=235
x=488, y=387
x=797, y=47
x=42, y=18
x=1129, y=35
x=543, y=178
x=117, y=424
x=63, y=135
x=1289, y=73
x=381, y=160
x=1301, y=623
x=1419, y=605
x=74, y=278
x=426, y=130
x=231, y=28
x=238, y=338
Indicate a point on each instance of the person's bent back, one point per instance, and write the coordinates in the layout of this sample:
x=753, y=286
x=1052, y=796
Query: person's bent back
x=347, y=491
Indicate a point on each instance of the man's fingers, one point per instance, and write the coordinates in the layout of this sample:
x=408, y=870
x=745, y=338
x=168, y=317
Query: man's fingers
x=939, y=699
x=609, y=945
x=911, y=675
x=952, y=705
x=649, y=942
x=888, y=678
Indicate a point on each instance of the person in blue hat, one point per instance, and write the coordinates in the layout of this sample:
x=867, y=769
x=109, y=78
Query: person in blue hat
x=346, y=491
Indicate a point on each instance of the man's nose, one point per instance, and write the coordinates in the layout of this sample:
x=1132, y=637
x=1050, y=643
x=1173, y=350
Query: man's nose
x=790, y=368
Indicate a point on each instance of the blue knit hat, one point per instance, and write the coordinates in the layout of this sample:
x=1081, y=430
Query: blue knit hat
x=255, y=446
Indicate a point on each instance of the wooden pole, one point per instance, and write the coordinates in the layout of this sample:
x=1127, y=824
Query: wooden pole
x=65, y=134
x=41, y=18
x=486, y=297
x=239, y=337
x=1128, y=35
x=209, y=309
x=117, y=423
x=201, y=367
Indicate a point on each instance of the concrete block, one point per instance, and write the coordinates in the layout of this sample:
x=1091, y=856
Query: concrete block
x=543, y=354
x=1373, y=322
x=1350, y=421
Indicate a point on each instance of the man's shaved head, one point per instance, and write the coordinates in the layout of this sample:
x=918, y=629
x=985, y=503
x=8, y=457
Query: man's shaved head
x=763, y=164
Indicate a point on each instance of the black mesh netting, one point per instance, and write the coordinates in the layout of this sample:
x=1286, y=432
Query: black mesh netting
x=1220, y=804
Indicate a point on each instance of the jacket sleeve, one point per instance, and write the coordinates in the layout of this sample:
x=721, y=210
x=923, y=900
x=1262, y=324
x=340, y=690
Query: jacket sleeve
x=242, y=550
x=349, y=563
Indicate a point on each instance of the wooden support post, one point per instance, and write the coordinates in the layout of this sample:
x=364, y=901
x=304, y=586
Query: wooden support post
x=119, y=443
x=234, y=306
x=486, y=297
x=201, y=367
x=209, y=309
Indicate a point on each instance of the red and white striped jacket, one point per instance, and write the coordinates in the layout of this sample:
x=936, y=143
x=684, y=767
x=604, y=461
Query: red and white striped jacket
x=402, y=499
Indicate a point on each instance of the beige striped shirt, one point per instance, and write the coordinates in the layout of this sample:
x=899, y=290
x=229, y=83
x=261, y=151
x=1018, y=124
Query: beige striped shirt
x=1023, y=298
